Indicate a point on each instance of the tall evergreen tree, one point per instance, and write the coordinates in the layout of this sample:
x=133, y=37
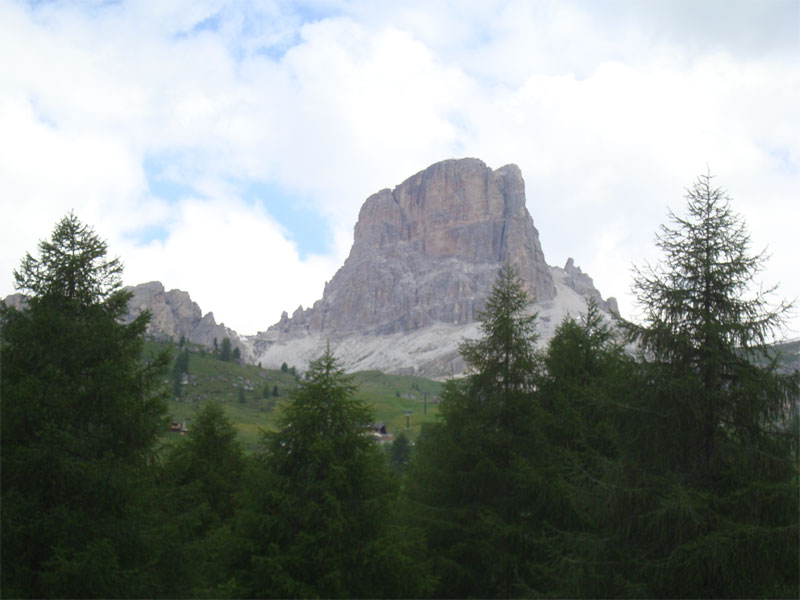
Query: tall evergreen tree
x=80, y=415
x=316, y=517
x=475, y=476
x=588, y=383
x=709, y=449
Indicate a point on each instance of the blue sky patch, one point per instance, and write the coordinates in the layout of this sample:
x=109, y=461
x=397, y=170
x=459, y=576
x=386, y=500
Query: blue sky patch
x=161, y=185
x=306, y=226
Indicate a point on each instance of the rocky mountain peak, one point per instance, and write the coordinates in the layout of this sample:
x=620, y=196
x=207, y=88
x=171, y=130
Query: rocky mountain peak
x=425, y=256
x=175, y=315
x=428, y=251
x=581, y=283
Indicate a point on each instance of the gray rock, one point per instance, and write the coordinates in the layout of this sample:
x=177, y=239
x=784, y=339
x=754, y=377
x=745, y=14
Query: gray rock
x=429, y=251
x=425, y=257
x=583, y=285
x=175, y=315
x=18, y=301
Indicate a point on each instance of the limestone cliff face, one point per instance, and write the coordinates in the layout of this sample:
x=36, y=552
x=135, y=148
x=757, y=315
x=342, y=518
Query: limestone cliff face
x=428, y=252
x=581, y=283
x=174, y=314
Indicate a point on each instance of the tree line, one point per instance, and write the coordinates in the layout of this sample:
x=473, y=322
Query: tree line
x=652, y=459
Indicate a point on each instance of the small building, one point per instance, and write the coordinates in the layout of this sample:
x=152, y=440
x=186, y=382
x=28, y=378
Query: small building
x=378, y=431
x=178, y=428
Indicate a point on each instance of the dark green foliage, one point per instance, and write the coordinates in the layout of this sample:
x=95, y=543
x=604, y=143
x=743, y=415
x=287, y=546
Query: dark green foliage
x=266, y=392
x=225, y=353
x=182, y=361
x=80, y=415
x=317, y=513
x=240, y=396
x=709, y=449
x=211, y=457
x=275, y=391
x=589, y=383
x=236, y=354
x=201, y=477
x=284, y=368
x=475, y=477
x=400, y=453
x=179, y=369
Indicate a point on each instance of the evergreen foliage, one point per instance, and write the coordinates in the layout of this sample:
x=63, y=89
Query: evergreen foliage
x=212, y=458
x=400, y=453
x=589, y=384
x=710, y=453
x=475, y=477
x=80, y=415
x=225, y=353
x=316, y=516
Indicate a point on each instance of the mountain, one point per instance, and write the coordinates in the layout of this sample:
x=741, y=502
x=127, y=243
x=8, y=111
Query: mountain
x=424, y=258
x=174, y=314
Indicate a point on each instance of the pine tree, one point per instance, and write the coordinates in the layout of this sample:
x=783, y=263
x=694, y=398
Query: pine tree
x=709, y=445
x=80, y=415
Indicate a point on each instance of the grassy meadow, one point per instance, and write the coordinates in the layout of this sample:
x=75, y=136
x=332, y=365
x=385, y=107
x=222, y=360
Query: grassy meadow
x=209, y=378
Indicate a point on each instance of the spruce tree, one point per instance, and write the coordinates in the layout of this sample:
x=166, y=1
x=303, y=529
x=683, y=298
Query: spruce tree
x=80, y=415
x=710, y=453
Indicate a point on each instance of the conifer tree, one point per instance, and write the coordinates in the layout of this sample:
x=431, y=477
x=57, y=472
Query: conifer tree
x=709, y=446
x=475, y=470
x=80, y=415
x=225, y=352
x=588, y=382
x=316, y=517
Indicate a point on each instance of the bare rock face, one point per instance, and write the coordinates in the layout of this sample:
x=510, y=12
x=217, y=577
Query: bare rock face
x=428, y=252
x=581, y=283
x=18, y=301
x=425, y=257
x=175, y=315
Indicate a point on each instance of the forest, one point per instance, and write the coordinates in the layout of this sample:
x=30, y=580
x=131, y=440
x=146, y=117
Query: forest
x=627, y=459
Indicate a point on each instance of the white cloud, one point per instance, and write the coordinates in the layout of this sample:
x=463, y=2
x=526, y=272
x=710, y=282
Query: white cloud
x=233, y=259
x=609, y=113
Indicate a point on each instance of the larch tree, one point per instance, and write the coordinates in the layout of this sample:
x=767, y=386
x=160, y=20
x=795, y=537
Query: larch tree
x=588, y=381
x=710, y=454
x=475, y=477
x=81, y=412
x=316, y=518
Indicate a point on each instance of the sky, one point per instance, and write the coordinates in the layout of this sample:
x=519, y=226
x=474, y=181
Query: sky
x=225, y=148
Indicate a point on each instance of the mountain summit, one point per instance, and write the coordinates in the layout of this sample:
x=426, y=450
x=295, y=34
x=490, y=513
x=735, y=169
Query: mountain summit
x=424, y=258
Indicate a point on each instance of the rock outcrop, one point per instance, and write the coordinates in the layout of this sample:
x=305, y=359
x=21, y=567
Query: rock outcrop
x=425, y=256
x=18, y=301
x=175, y=315
x=580, y=282
x=428, y=251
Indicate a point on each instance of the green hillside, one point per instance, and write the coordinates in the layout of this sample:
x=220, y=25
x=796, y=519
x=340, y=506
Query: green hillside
x=212, y=379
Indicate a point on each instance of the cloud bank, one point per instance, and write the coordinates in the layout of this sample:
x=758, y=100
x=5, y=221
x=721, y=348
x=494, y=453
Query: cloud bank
x=225, y=148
